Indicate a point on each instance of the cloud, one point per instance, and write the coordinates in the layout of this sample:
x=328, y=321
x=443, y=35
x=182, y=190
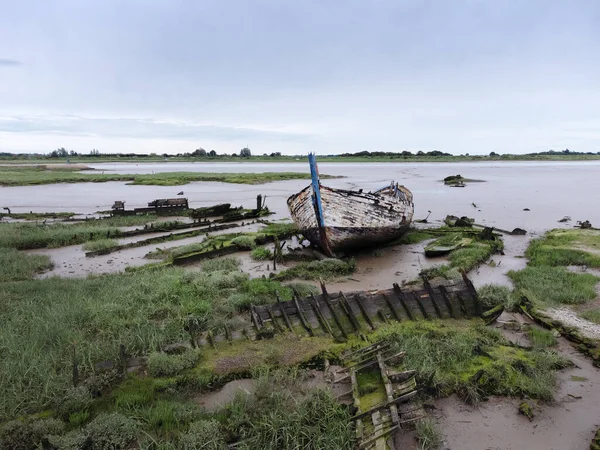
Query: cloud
x=135, y=127
x=10, y=62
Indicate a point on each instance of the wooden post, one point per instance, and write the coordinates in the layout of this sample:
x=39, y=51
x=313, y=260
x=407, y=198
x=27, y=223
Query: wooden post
x=255, y=322
x=258, y=202
x=473, y=292
x=400, y=296
x=463, y=305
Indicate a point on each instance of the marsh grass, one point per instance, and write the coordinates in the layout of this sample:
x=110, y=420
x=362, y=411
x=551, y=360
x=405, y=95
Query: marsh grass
x=19, y=176
x=472, y=361
x=144, y=311
x=24, y=236
x=261, y=254
x=593, y=315
x=283, y=413
x=566, y=248
x=554, y=285
x=491, y=295
x=100, y=244
x=328, y=269
x=541, y=338
x=17, y=266
x=427, y=434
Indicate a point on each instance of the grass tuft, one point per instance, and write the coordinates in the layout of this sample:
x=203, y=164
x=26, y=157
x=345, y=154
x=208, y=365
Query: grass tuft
x=18, y=266
x=328, y=269
x=428, y=436
x=101, y=244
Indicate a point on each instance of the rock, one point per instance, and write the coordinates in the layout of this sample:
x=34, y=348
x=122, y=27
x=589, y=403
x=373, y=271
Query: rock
x=526, y=409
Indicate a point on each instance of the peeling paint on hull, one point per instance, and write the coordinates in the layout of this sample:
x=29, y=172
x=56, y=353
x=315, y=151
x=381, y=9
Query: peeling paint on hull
x=353, y=219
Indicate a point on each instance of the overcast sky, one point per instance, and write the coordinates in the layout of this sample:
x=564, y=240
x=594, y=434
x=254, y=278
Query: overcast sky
x=461, y=76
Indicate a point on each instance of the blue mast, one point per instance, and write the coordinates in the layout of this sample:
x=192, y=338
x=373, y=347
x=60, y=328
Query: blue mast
x=316, y=185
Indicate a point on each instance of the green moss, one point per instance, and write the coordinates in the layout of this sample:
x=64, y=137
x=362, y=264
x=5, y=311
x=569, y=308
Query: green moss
x=526, y=409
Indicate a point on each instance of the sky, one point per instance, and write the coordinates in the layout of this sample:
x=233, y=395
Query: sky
x=460, y=76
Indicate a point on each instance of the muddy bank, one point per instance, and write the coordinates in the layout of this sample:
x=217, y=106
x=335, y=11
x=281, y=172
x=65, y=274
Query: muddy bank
x=567, y=424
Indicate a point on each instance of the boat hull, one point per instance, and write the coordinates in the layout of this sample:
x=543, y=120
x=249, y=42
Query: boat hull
x=351, y=219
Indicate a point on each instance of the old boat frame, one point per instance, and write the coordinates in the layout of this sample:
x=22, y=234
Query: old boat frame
x=338, y=219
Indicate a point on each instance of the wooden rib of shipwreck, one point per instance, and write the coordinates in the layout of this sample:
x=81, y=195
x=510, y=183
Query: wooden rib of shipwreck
x=338, y=219
x=397, y=410
x=340, y=315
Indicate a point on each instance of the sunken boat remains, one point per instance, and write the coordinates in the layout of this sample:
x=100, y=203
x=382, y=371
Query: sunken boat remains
x=339, y=219
x=161, y=205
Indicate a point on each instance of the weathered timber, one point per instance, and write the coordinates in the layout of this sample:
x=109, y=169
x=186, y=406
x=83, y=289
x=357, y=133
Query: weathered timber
x=254, y=316
x=447, y=301
x=361, y=306
x=322, y=320
x=401, y=297
x=336, y=319
x=301, y=315
x=421, y=306
x=273, y=320
x=471, y=289
x=402, y=399
x=463, y=306
x=402, y=376
x=283, y=312
x=367, y=443
x=356, y=396
x=432, y=297
x=391, y=307
x=382, y=316
x=389, y=390
x=348, y=310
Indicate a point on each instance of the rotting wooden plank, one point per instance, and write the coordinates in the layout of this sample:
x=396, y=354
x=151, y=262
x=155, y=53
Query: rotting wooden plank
x=432, y=297
x=348, y=310
x=402, y=399
x=288, y=323
x=276, y=324
x=356, y=396
x=380, y=442
x=446, y=298
x=471, y=289
x=303, y=320
x=382, y=316
x=361, y=306
x=386, y=431
x=391, y=307
x=321, y=319
x=389, y=390
x=402, y=376
x=401, y=297
x=336, y=319
x=369, y=348
x=463, y=305
x=254, y=317
x=421, y=306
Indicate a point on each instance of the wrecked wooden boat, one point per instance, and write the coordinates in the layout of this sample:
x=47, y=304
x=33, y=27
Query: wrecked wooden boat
x=338, y=219
x=445, y=245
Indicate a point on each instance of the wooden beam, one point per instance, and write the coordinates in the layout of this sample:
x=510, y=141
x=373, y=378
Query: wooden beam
x=402, y=399
x=401, y=297
x=363, y=310
x=421, y=307
x=348, y=310
x=317, y=309
x=395, y=314
x=432, y=296
x=446, y=298
x=473, y=292
x=463, y=305
x=283, y=312
x=336, y=319
x=272, y=317
x=303, y=320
